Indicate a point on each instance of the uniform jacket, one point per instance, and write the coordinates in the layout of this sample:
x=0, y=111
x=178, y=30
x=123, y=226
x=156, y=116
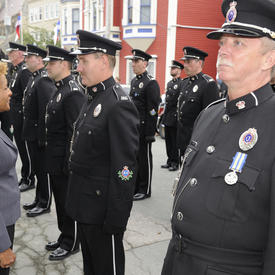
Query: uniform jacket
x=61, y=112
x=103, y=158
x=197, y=92
x=145, y=94
x=9, y=192
x=17, y=84
x=239, y=217
x=36, y=96
x=171, y=100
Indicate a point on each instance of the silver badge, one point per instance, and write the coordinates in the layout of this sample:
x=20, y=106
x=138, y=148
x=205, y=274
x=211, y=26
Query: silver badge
x=97, y=110
x=231, y=178
x=140, y=85
x=195, y=89
x=175, y=86
x=240, y=105
x=58, y=97
x=248, y=139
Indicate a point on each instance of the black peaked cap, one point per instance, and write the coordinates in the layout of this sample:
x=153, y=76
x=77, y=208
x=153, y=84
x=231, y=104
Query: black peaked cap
x=191, y=52
x=16, y=47
x=56, y=53
x=176, y=64
x=139, y=54
x=34, y=50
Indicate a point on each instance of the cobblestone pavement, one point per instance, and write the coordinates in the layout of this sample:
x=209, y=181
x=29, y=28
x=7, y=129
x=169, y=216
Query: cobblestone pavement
x=145, y=241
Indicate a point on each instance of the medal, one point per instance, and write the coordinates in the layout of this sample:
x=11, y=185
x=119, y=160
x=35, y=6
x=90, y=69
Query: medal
x=58, y=97
x=231, y=178
x=248, y=139
x=97, y=110
x=140, y=85
x=195, y=89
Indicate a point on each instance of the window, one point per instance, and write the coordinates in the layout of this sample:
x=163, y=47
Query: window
x=36, y=14
x=94, y=16
x=52, y=11
x=130, y=11
x=75, y=20
x=65, y=21
x=46, y=12
x=145, y=11
x=40, y=13
x=56, y=10
x=31, y=16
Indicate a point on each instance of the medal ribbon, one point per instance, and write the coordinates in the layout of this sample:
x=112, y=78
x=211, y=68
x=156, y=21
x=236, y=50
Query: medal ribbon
x=238, y=162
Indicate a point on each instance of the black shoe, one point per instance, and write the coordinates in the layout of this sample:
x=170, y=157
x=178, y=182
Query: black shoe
x=51, y=246
x=165, y=166
x=140, y=196
x=24, y=186
x=28, y=206
x=36, y=211
x=173, y=168
x=60, y=254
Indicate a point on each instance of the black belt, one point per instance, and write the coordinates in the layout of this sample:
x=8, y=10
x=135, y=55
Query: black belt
x=216, y=254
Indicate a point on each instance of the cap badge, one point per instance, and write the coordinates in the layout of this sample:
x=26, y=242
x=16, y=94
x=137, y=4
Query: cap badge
x=231, y=13
x=248, y=139
x=185, y=51
x=240, y=105
x=175, y=86
x=97, y=110
x=195, y=88
x=153, y=112
x=125, y=174
x=140, y=85
x=134, y=52
x=58, y=97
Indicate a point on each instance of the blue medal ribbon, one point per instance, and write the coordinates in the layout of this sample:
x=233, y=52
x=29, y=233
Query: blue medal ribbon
x=238, y=162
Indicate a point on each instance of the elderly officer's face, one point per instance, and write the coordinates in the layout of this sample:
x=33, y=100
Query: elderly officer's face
x=139, y=66
x=239, y=59
x=32, y=62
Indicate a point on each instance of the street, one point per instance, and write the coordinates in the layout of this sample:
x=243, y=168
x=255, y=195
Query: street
x=145, y=241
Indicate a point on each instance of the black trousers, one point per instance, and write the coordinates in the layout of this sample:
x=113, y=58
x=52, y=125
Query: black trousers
x=145, y=168
x=43, y=188
x=103, y=254
x=17, y=121
x=10, y=229
x=171, y=145
x=68, y=238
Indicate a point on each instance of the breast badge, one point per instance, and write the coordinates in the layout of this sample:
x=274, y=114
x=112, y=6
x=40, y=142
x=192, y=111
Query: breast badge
x=195, y=88
x=248, y=139
x=175, y=86
x=58, y=97
x=125, y=174
x=140, y=85
x=97, y=110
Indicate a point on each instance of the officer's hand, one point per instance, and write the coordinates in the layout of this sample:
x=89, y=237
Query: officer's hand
x=7, y=258
x=112, y=229
x=150, y=139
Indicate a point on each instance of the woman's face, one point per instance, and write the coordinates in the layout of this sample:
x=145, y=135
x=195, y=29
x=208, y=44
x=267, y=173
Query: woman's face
x=5, y=94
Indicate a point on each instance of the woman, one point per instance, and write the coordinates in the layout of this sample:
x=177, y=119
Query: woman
x=9, y=192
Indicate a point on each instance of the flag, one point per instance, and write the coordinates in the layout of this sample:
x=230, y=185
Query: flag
x=56, y=32
x=17, y=27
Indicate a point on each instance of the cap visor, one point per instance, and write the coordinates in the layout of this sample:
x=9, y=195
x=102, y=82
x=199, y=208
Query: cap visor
x=216, y=35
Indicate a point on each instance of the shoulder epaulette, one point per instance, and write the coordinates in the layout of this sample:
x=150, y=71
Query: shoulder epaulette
x=120, y=93
x=207, y=78
x=73, y=86
x=215, y=102
x=44, y=74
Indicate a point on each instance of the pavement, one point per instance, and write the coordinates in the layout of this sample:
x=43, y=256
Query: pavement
x=145, y=241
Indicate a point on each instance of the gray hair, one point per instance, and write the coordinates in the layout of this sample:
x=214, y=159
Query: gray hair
x=268, y=45
x=111, y=59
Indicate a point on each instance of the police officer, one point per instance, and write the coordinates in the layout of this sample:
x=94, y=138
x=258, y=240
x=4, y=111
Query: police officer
x=198, y=91
x=18, y=82
x=170, y=116
x=145, y=94
x=36, y=96
x=223, y=217
x=103, y=159
x=61, y=112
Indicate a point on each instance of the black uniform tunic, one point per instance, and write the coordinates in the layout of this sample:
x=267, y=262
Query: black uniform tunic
x=36, y=97
x=220, y=228
x=197, y=92
x=145, y=94
x=103, y=167
x=170, y=120
x=18, y=82
x=61, y=112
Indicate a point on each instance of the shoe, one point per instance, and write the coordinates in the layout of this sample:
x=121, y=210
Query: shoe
x=165, y=166
x=140, y=196
x=28, y=206
x=173, y=168
x=51, y=246
x=25, y=187
x=36, y=211
x=60, y=254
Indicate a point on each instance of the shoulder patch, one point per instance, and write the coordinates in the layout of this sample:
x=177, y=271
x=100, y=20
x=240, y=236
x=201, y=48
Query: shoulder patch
x=44, y=74
x=207, y=78
x=120, y=93
x=73, y=86
x=215, y=102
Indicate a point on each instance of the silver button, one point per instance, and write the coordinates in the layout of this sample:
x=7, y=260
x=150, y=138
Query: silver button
x=179, y=216
x=90, y=132
x=226, y=118
x=53, y=111
x=77, y=132
x=84, y=114
x=210, y=149
x=193, y=182
x=98, y=192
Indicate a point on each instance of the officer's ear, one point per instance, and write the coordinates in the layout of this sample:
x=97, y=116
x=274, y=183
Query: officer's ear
x=269, y=60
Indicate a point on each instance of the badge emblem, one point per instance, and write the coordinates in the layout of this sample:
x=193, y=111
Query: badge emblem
x=248, y=139
x=175, y=86
x=153, y=112
x=125, y=174
x=58, y=97
x=195, y=89
x=140, y=85
x=240, y=105
x=97, y=110
x=232, y=12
